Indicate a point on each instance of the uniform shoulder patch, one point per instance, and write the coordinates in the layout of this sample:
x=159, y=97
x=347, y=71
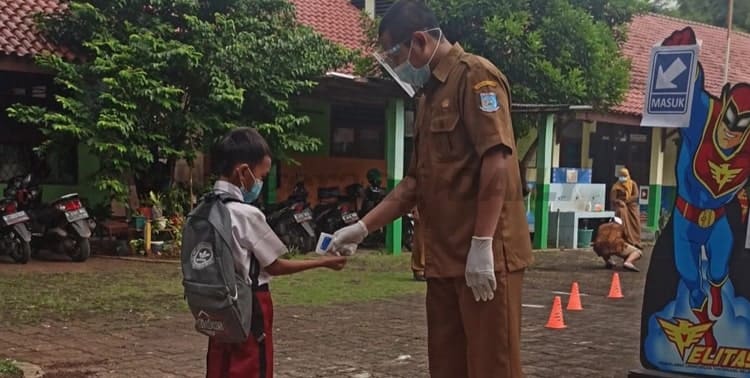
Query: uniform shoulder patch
x=484, y=84
x=488, y=102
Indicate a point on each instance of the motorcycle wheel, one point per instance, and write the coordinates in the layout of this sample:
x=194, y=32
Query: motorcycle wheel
x=22, y=250
x=308, y=242
x=82, y=251
x=408, y=234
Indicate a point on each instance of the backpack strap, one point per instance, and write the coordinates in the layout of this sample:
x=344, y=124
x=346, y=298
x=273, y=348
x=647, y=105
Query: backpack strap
x=257, y=325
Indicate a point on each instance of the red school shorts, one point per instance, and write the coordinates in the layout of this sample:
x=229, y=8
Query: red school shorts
x=243, y=360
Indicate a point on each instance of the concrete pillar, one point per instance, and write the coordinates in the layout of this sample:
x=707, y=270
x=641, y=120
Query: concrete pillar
x=370, y=8
x=586, y=129
x=544, y=158
x=555, y=152
x=394, y=155
x=655, y=179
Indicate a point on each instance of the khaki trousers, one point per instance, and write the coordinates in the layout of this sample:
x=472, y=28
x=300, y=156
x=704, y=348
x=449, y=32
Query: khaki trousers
x=470, y=339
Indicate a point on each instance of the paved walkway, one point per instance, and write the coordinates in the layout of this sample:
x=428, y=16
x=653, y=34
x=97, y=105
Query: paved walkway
x=379, y=339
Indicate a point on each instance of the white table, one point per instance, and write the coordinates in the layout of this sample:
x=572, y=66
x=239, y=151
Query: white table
x=568, y=226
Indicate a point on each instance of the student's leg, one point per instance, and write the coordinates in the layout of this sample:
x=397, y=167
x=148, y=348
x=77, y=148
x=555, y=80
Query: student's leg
x=243, y=360
x=446, y=341
x=493, y=329
x=217, y=359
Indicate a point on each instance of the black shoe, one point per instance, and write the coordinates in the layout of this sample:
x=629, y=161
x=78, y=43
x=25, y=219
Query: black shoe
x=419, y=276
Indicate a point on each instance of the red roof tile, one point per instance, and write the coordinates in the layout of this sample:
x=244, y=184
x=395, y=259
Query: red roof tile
x=337, y=20
x=18, y=34
x=650, y=29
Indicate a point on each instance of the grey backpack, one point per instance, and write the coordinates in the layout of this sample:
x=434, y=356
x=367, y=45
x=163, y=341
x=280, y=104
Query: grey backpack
x=222, y=302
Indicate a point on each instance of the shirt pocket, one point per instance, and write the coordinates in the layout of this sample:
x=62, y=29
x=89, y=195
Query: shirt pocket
x=447, y=140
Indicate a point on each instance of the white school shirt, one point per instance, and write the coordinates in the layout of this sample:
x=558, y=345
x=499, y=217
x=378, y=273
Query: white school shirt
x=250, y=234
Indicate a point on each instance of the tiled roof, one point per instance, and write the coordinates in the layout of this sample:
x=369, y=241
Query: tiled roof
x=337, y=20
x=650, y=29
x=18, y=34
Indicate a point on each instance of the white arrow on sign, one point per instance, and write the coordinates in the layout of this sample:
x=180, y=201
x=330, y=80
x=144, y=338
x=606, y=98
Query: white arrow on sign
x=664, y=78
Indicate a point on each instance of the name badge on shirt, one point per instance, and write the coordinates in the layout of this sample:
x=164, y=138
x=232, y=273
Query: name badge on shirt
x=488, y=102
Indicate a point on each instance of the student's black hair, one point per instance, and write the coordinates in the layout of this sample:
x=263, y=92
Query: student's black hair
x=242, y=145
x=404, y=18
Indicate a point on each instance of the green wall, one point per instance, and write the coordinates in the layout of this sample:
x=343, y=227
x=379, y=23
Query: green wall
x=88, y=164
x=87, y=167
x=319, y=126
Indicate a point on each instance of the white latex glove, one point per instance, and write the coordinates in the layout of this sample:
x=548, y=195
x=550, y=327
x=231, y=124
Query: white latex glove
x=345, y=240
x=480, y=269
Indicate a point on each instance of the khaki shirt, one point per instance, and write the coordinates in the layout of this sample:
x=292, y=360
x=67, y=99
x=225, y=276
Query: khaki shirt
x=462, y=113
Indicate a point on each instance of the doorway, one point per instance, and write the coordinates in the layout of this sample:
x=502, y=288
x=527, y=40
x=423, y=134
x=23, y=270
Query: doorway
x=613, y=146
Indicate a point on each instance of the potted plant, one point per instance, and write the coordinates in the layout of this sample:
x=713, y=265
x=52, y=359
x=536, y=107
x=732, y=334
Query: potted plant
x=136, y=246
x=139, y=220
x=157, y=210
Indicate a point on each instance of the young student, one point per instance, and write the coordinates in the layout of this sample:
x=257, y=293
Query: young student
x=242, y=159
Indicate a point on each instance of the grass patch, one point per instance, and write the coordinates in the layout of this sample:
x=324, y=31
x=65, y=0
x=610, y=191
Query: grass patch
x=8, y=369
x=151, y=291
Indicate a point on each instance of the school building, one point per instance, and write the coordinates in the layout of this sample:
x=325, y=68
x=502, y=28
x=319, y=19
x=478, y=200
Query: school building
x=366, y=123
x=603, y=142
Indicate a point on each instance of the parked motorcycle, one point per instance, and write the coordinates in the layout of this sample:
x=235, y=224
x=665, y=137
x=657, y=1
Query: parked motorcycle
x=334, y=211
x=64, y=226
x=292, y=220
x=15, y=237
x=407, y=231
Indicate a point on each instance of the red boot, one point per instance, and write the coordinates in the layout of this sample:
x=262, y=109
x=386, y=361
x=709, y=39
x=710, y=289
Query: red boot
x=716, y=303
x=708, y=337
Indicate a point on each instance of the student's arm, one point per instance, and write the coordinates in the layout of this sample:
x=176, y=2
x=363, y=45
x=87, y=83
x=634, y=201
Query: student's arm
x=282, y=267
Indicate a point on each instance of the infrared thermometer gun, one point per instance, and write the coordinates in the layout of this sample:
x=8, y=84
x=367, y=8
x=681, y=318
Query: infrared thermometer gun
x=324, y=243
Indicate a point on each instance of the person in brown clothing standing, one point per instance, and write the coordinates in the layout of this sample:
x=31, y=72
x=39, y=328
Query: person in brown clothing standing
x=624, y=196
x=464, y=177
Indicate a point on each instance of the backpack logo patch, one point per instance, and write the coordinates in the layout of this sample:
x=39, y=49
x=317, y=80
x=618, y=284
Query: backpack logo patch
x=202, y=256
x=205, y=323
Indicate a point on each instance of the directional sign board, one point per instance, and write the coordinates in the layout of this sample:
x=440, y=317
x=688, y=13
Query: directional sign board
x=671, y=80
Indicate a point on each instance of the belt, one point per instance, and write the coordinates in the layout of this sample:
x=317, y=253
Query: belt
x=704, y=218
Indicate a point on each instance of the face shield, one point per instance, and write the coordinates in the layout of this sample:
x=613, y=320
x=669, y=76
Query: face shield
x=395, y=61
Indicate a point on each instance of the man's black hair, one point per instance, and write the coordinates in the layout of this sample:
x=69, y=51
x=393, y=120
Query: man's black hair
x=242, y=145
x=404, y=18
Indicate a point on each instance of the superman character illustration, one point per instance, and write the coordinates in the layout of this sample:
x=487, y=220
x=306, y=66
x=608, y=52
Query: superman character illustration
x=696, y=316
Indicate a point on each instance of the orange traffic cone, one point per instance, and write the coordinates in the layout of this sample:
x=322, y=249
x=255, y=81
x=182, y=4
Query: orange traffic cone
x=614, y=290
x=574, y=301
x=556, y=315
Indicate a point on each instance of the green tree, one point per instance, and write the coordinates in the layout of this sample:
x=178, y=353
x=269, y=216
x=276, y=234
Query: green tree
x=160, y=80
x=555, y=51
x=713, y=12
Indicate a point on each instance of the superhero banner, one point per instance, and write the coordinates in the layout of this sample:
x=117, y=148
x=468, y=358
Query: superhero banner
x=696, y=308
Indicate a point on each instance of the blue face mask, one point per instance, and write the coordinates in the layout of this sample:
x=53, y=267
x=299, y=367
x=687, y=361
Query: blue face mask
x=413, y=76
x=249, y=196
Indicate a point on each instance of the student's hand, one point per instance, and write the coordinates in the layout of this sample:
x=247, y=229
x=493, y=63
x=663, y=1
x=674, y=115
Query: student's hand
x=345, y=240
x=334, y=262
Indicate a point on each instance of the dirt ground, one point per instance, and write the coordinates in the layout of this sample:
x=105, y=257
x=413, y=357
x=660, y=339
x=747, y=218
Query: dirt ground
x=386, y=338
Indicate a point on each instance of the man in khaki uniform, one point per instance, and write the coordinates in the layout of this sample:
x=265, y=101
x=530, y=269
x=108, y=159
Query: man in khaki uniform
x=464, y=178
